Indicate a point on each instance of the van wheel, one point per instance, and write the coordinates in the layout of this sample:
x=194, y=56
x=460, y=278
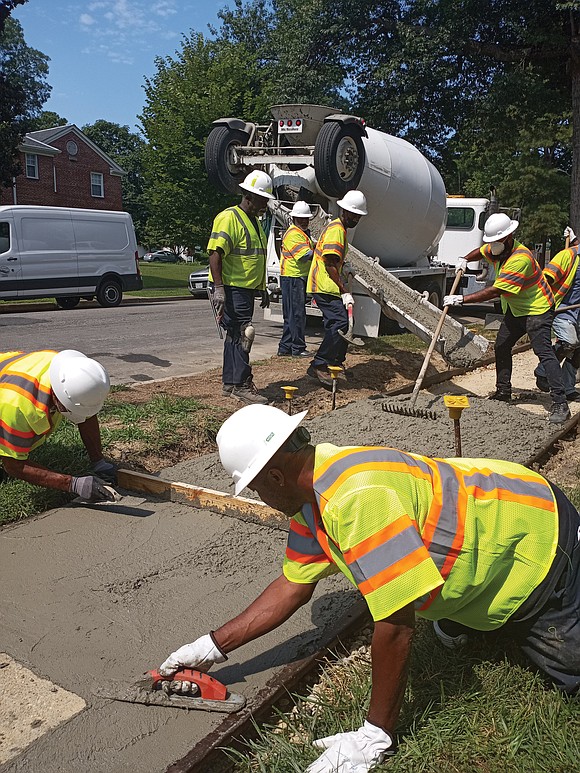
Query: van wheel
x=68, y=303
x=339, y=158
x=109, y=293
x=222, y=168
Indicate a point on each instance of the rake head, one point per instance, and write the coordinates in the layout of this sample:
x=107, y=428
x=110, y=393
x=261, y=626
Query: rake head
x=404, y=410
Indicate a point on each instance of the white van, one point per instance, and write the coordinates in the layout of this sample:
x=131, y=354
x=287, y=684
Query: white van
x=68, y=254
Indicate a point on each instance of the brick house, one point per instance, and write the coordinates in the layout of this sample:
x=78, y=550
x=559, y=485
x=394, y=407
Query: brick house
x=64, y=168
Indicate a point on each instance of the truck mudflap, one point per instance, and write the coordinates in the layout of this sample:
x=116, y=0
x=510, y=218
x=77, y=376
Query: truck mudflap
x=458, y=345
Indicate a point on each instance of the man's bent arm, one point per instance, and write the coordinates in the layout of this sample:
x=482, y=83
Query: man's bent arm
x=331, y=264
x=35, y=474
x=215, y=264
x=390, y=652
x=487, y=294
x=90, y=433
x=272, y=608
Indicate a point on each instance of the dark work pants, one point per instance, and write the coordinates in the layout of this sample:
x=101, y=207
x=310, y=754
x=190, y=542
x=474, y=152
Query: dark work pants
x=332, y=350
x=238, y=313
x=294, y=310
x=538, y=329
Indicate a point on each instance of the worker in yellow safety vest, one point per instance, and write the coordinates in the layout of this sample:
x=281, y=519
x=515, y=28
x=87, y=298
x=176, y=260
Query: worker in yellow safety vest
x=563, y=276
x=471, y=544
x=37, y=390
x=237, y=259
x=527, y=303
x=295, y=259
x=326, y=285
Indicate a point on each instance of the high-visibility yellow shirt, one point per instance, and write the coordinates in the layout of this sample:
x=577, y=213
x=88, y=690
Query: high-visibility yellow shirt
x=333, y=242
x=26, y=418
x=465, y=539
x=561, y=272
x=243, y=243
x=524, y=289
x=296, y=252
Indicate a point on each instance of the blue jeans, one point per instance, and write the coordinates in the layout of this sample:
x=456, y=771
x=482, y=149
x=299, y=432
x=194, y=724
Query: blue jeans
x=332, y=350
x=566, y=331
x=294, y=310
x=238, y=312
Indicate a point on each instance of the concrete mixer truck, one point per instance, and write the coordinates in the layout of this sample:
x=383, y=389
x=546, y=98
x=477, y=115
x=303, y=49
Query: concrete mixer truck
x=316, y=154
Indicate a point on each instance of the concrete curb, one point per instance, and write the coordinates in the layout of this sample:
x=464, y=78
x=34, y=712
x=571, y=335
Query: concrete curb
x=7, y=307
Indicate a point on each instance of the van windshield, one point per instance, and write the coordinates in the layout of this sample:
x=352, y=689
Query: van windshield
x=4, y=237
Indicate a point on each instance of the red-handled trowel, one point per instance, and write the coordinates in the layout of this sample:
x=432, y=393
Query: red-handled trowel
x=206, y=693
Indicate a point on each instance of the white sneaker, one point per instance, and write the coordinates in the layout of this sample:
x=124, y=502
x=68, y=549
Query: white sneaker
x=451, y=642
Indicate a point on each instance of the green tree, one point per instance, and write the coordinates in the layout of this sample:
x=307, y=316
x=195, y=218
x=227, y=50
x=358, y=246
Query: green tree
x=127, y=149
x=23, y=91
x=47, y=119
x=206, y=80
x=6, y=8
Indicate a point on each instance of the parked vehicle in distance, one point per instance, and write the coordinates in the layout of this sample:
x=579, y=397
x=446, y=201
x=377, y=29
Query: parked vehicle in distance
x=197, y=283
x=67, y=253
x=161, y=256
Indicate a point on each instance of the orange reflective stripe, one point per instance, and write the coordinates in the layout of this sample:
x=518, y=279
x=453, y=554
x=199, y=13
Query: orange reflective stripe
x=302, y=558
x=25, y=393
x=376, y=540
x=405, y=564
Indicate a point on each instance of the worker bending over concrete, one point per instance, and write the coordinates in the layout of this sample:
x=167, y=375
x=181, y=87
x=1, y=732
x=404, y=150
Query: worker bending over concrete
x=36, y=391
x=325, y=284
x=563, y=277
x=483, y=543
x=237, y=259
x=528, y=306
x=295, y=259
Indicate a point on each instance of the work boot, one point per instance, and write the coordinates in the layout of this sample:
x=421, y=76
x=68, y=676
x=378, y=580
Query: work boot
x=572, y=396
x=503, y=397
x=454, y=638
x=321, y=374
x=559, y=413
x=248, y=393
x=227, y=389
x=542, y=384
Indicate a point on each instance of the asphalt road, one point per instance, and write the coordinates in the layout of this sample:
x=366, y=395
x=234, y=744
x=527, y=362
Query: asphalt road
x=135, y=343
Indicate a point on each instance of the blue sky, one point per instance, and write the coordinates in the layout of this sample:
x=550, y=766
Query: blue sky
x=101, y=50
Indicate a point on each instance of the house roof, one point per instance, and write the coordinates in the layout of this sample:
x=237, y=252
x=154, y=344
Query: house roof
x=43, y=138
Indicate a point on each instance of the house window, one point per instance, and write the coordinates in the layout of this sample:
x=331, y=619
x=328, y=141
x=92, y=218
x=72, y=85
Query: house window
x=97, y=185
x=32, y=165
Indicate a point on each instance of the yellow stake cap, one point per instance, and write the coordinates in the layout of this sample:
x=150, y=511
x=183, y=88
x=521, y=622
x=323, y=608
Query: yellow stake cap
x=334, y=370
x=289, y=391
x=455, y=405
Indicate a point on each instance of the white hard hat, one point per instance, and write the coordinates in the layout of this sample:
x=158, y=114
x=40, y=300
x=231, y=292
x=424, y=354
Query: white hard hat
x=250, y=438
x=79, y=383
x=301, y=209
x=354, y=201
x=259, y=183
x=498, y=226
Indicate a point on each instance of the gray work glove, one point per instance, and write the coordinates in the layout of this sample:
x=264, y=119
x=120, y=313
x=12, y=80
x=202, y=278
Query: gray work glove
x=265, y=302
x=92, y=489
x=105, y=470
x=219, y=299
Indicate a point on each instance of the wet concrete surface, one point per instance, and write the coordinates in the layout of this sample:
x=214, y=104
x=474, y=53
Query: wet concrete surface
x=99, y=593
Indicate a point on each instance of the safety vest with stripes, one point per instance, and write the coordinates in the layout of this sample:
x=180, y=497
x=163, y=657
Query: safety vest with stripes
x=332, y=241
x=524, y=288
x=243, y=243
x=465, y=539
x=296, y=252
x=561, y=272
x=27, y=415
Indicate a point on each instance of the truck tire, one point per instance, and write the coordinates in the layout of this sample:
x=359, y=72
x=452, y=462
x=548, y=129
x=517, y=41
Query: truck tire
x=109, y=293
x=68, y=303
x=433, y=294
x=339, y=158
x=222, y=170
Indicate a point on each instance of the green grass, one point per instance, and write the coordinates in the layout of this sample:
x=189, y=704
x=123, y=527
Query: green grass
x=480, y=710
x=167, y=275
x=131, y=432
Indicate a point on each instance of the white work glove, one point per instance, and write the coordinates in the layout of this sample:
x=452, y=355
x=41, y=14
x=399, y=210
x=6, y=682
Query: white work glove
x=461, y=265
x=219, y=299
x=354, y=752
x=92, y=489
x=200, y=654
x=105, y=470
x=569, y=232
x=347, y=299
x=453, y=300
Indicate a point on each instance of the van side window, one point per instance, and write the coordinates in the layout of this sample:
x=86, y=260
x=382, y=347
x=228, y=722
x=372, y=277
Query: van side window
x=44, y=234
x=460, y=218
x=93, y=235
x=4, y=237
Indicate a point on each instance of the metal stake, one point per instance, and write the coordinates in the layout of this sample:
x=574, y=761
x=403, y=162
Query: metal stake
x=289, y=394
x=334, y=370
x=455, y=405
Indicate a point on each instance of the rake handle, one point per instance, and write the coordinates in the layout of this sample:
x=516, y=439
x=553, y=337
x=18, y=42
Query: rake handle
x=433, y=343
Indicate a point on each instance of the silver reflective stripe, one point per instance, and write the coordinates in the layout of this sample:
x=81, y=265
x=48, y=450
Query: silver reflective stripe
x=386, y=555
x=307, y=546
x=257, y=251
x=446, y=529
x=365, y=456
x=222, y=235
x=493, y=480
x=5, y=363
x=28, y=386
x=15, y=440
x=309, y=517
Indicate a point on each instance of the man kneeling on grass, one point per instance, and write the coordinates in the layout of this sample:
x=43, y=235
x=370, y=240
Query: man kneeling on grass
x=468, y=543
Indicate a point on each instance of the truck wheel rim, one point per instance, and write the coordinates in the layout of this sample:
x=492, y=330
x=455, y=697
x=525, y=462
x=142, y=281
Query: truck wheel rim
x=347, y=158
